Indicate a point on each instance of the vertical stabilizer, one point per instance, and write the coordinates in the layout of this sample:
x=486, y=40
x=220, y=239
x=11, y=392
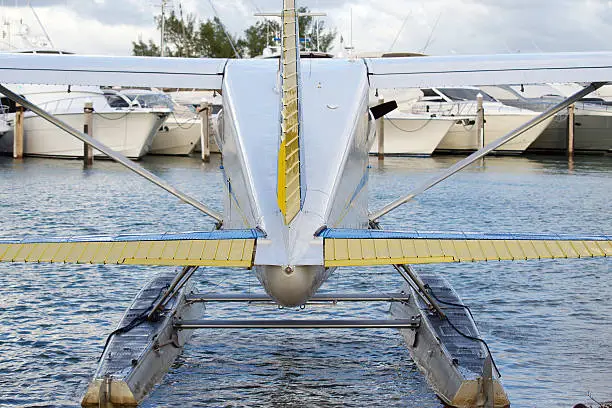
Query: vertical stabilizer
x=289, y=179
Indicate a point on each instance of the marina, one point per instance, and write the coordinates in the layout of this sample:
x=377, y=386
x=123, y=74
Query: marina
x=550, y=350
x=307, y=228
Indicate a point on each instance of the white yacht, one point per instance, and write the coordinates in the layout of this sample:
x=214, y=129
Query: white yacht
x=180, y=132
x=407, y=133
x=460, y=104
x=124, y=128
x=4, y=118
x=592, y=122
x=191, y=99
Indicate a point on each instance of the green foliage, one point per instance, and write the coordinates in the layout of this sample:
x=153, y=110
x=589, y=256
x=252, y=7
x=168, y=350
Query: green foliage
x=308, y=29
x=187, y=38
x=259, y=36
x=213, y=42
x=145, y=50
x=180, y=36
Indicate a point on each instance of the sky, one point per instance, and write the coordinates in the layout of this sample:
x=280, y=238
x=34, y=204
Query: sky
x=438, y=27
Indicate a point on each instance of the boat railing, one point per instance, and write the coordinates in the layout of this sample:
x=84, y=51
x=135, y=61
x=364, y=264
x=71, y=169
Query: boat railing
x=540, y=106
x=4, y=110
x=465, y=108
x=594, y=106
x=72, y=104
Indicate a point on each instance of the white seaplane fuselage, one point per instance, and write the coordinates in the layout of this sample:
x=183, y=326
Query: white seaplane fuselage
x=336, y=134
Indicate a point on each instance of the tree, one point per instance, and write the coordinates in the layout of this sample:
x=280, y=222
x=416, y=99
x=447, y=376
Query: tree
x=180, y=36
x=145, y=50
x=213, y=42
x=187, y=38
x=308, y=30
x=258, y=36
x=183, y=38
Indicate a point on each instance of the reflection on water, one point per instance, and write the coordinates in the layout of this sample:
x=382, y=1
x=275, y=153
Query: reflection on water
x=548, y=323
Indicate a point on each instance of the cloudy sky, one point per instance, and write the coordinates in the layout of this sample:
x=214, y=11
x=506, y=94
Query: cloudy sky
x=445, y=26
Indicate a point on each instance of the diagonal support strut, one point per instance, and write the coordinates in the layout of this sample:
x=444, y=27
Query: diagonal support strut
x=460, y=165
x=119, y=158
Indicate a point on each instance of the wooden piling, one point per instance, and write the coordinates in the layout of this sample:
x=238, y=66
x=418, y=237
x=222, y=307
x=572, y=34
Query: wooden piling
x=18, y=133
x=570, y=129
x=205, y=130
x=480, y=121
x=380, y=133
x=88, y=156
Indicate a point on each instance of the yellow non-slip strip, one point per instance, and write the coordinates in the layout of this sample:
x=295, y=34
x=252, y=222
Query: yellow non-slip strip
x=288, y=188
x=231, y=252
x=363, y=252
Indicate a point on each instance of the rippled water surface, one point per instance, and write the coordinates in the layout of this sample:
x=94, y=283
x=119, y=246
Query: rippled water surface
x=549, y=323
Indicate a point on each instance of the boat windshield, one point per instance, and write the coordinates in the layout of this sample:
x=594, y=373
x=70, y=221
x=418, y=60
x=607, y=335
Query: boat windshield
x=150, y=100
x=116, y=101
x=465, y=94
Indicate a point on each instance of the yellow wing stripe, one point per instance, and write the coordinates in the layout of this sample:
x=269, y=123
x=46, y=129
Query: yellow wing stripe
x=363, y=252
x=228, y=252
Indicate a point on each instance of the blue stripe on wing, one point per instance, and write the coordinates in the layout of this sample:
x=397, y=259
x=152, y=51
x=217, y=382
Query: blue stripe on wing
x=209, y=235
x=348, y=233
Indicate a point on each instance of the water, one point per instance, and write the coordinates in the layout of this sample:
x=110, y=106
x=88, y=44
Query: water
x=549, y=323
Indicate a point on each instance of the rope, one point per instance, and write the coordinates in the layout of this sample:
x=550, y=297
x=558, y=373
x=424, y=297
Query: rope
x=404, y=130
x=108, y=118
x=180, y=125
x=467, y=336
x=137, y=321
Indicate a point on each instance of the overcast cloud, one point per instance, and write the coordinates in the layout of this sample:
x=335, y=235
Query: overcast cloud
x=463, y=26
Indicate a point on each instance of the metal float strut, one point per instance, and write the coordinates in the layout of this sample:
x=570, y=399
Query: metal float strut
x=119, y=158
x=334, y=298
x=298, y=324
x=177, y=283
x=411, y=277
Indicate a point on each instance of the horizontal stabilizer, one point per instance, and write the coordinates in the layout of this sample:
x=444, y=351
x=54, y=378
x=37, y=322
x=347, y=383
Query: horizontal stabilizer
x=234, y=248
x=458, y=70
x=348, y=247
x=202, y=73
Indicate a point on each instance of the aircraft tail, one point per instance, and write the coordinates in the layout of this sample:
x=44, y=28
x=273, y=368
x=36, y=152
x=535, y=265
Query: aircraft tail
x=289, y=192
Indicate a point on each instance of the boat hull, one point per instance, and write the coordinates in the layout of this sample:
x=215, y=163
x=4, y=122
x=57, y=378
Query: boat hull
x=405, y=135
x=176, y=137
x=463, y=135
x=129, y=133
x=592, y=133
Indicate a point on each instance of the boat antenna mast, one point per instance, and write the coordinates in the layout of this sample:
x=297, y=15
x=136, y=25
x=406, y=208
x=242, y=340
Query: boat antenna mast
x=41, y=25
x=162, y=39
x=229, y=39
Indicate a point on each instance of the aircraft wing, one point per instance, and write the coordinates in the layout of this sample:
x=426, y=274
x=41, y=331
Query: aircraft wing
x=403, y=72
x=235, y=248
x=201, y=73
x=351, y=247
x=456, y=70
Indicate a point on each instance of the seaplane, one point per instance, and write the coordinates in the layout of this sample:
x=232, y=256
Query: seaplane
x=295, y=138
